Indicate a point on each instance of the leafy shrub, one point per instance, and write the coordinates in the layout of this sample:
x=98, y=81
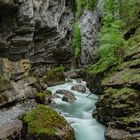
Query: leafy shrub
x=119, y=18
x=84, y=5
x=111, y=49
x=76, y=41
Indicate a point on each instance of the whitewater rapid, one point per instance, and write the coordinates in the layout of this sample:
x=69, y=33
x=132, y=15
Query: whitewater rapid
x=79, y=113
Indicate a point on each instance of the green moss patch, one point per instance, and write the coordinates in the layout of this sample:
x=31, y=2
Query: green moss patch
x=43, y=97
x=55, y=76
x=84, y=5
x=124, y=90
x=130, y=64
x=43, y=120
x=126, y=77
x=76, y=40
x=39, y=95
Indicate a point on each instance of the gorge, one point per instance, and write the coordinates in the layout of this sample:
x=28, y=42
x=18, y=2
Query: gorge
x=48, y=48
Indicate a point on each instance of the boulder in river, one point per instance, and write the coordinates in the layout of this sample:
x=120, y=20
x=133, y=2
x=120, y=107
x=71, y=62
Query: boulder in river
x=45, y=123
x=55, y=76
x=73, y=74
x=43, y=97
x=79, y=87
x=68, y=96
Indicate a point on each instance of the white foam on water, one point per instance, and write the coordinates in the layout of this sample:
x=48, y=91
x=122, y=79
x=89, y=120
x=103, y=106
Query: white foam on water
x=79, y=113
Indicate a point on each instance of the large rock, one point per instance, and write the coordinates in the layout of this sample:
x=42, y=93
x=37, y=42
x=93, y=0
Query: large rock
x=45, y=123
x=73, y=74
x=118, y=107
x=123, y=78
x=117, y=134
x=33, y=34
x=12, y=92
x=52, y=36
x=89, y=24
x=55, y=76
x=68, y=96
x=10, y=125
x=79, y=87
x=39, y=29
x=43, y=97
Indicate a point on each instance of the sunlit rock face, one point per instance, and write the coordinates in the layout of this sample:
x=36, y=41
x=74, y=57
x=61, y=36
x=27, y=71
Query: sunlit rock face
x=89, y=24
x=52, y=36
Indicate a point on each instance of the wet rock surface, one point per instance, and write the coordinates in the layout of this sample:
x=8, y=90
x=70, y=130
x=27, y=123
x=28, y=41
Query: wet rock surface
x=118, y=107
x=89, y=24
x=68, y=96
x=79, y=87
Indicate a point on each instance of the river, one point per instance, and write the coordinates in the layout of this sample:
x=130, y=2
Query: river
x=79, y=113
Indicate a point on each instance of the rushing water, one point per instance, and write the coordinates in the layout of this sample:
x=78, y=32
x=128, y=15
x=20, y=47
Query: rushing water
x=79, y=113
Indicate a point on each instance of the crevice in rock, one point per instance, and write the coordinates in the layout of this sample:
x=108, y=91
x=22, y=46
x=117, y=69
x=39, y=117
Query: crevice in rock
x=129, y=33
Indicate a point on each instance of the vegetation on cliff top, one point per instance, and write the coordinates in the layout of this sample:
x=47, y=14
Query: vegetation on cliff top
x=120, y=23
x=82, y=5
x=76, y=41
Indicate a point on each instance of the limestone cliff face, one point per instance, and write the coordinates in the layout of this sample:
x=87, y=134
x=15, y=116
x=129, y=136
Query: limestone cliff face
x=36, y=29
x=52, y=35
x=89, y=24
x=33, y=33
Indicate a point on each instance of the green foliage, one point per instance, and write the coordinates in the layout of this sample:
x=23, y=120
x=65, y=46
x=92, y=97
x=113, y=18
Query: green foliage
x=58, y=69
x=133, y=44
x=39, y=95
x=84, y=5
x=54, y=71
x=111, y=50
x=130, y=13
x=119, y=17
x=48, y=92
x=43, y=120
x=76, y=41
x=124, y=90
x=34, y=79
x=55, y=76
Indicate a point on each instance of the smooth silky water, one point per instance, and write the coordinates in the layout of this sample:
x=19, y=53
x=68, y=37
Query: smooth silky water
x=79, y=113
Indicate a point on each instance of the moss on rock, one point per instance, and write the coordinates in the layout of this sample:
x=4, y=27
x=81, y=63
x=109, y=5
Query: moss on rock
x=127, y=77
x=55, y=76
x=124, y=90
x=45, y=123
x=43, y=97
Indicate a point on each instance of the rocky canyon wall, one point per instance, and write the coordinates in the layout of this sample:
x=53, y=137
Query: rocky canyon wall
x=33, y=34
x=89, y=24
